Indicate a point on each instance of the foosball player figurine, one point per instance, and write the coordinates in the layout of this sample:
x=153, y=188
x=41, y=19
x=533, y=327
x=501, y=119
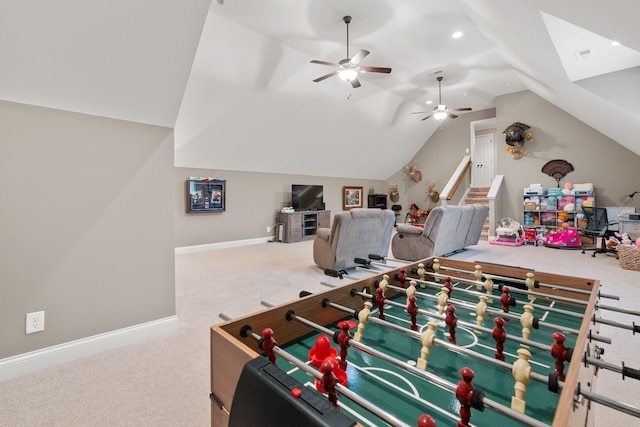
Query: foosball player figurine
x=448, y=285
x=488, y=286
x=426, y=421
x=481, y=310
x=329, y=381
x=531, y=285
x=464, y=394
x=380, y=302
x=411, y=290
x=505, y=299
x=443, y=299
x=402, y=277
x=478, y=275
x=436, y=268
x=526, y=320
x=363, y=318
x=559, y=353
x=451, y=321
x=521, y=371
x=412, y=309
x=500, y=336
x=267, y=342
x=343, y=341
x=428, y=339
x=384, y=283
x=422, y=274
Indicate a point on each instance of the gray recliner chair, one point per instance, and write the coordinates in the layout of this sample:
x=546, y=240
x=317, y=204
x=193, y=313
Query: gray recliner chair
x=447, y=229
x=355, y=233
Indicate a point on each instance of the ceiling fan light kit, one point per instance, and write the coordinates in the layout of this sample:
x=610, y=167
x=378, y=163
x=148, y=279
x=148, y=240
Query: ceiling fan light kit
x=349, y=69
x=441, y=112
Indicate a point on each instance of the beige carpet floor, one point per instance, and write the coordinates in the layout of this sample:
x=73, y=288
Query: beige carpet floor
x=165, y=381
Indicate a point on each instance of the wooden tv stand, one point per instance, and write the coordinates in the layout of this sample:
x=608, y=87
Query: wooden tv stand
x=303, y=225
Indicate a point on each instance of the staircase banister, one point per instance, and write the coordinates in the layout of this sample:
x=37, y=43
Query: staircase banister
x=494, y=190
x=495, y=204
x=451, y=186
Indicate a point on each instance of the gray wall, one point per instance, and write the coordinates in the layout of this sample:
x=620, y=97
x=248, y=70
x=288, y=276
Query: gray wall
x=86, y=225
x=613, y=170
x=437, y=160
x=253, y=201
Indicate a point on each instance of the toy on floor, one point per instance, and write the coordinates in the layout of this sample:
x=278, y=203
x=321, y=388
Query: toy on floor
x=533, y=236
x=565, y=238
x=509, y=233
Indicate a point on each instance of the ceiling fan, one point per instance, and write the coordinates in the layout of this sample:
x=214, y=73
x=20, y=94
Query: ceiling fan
x=441, y=111
x=349, y=69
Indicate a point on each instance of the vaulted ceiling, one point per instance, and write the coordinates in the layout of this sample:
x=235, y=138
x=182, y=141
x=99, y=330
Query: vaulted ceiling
x=235, y=79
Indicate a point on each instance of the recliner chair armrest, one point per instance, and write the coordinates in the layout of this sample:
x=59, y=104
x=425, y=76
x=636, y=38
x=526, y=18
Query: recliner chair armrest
x=409, y=229
x=323, y=233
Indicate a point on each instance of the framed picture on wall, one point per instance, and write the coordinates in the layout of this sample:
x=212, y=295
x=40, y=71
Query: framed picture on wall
x=351, y=197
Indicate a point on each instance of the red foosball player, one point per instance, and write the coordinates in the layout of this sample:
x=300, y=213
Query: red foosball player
x=559, y=353
x=464, y=394
x=402, y=276
x=500, y=336
x=448, y=285
x=267, y=343
x=412, y=309
x=451, y=321
x=380, y=301
x=329, y=381
x=505, y=299
x=426, y=421
x=343, y=342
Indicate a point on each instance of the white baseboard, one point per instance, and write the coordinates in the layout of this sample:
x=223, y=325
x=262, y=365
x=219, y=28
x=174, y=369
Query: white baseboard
x=26, y=363
x=211, y=246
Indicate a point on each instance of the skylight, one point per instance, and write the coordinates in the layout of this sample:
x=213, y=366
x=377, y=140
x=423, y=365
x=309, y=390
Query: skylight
x=585, y=54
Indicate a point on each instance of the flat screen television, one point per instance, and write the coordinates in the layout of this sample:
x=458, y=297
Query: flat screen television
x=307, y=197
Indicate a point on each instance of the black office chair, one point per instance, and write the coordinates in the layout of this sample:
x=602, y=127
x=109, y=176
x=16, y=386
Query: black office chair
x=396, y=210
x=598, y=226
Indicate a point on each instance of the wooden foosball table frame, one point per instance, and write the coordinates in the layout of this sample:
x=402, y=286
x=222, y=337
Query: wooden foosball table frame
x=230, y=351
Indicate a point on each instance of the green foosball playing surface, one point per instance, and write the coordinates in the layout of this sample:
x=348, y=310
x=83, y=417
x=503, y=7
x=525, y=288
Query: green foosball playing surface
x=407, y=396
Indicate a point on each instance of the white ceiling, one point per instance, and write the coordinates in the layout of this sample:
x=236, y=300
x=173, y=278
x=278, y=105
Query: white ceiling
x=236, y=82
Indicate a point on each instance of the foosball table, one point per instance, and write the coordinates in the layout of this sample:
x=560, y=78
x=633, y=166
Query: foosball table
x=436, y=342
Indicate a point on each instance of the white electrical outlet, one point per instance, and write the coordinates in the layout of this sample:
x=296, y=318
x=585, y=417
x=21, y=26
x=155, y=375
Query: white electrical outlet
x=268, y=229
x=35, y=322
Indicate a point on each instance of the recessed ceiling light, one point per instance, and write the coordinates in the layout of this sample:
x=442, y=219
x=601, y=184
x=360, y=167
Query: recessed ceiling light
x=465, y=94
x=457, y=35
x=506, y=84
x=429, y=102
x=615, y=43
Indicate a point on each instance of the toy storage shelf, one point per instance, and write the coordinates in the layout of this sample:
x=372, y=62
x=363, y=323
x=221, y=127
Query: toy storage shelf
x=549, y=212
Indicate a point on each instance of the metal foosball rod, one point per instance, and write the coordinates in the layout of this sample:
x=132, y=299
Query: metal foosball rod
x=383, y=415
x=491, y=309
x=424, y=374
x=519, y=291
x=515, y=338
x=608, y=402
x=476, y=293
x=537, y=284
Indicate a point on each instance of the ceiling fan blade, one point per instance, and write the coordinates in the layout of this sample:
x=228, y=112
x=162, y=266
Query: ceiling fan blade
x=359, y=56
x=355, y=83
x=326, y=76
x=331, y=64
x=420, y=112
x=375, y=70
x=460, y=109
x=451, y=115
x=426, y=117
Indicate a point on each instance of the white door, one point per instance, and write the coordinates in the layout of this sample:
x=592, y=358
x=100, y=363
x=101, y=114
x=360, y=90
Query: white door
x=482, y=161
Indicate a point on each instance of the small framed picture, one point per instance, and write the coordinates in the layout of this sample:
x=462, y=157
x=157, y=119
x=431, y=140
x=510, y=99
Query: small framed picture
x=351, y=197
